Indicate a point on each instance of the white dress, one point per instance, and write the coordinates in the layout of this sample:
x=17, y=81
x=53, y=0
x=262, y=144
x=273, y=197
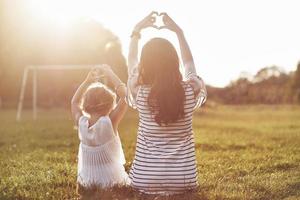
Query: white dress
x=100, y=156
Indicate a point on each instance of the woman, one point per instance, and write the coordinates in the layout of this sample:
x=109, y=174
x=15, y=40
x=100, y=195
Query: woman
x=165, y=160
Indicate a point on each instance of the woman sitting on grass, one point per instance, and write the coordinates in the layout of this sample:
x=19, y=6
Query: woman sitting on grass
x=100, y=156
x=165, y=160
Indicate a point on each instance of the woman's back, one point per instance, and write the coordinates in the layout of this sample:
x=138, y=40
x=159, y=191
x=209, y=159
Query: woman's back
x=165, y=154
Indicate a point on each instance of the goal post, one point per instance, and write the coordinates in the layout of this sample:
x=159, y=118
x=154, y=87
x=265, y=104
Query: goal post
x=34, y=69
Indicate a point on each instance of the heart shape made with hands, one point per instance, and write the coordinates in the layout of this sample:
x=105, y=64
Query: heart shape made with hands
x=158, y=22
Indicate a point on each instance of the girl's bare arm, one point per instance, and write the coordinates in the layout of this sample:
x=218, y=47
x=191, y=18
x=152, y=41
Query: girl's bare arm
x=119, y=111
x=76, y=100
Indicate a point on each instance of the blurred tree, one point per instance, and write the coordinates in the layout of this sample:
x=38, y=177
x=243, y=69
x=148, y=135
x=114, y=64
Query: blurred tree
x=25, y=41
x=1, y=49
x=270, y=85
x=267, y=72
x=246, y=75
x=296, y=83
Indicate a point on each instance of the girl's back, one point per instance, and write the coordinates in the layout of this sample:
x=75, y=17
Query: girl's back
x=97, y=134
x=100, y=156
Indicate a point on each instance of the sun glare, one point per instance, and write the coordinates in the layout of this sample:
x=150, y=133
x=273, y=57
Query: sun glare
x=59, y=12
x=63, y=13
x=225, y=36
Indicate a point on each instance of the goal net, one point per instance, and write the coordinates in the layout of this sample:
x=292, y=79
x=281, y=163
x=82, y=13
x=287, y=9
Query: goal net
x=34, y=69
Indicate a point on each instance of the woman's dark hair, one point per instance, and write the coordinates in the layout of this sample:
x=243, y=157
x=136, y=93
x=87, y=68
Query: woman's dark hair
x=159, y=68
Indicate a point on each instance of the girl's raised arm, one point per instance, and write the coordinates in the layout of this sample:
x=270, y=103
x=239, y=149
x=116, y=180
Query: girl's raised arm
x=119, y=111
x=76, y=100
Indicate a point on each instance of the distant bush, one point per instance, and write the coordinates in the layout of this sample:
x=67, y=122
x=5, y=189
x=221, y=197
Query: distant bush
x=269, y=86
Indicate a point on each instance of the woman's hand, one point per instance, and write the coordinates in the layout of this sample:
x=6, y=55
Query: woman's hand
x=169, y=23
x=148, y=21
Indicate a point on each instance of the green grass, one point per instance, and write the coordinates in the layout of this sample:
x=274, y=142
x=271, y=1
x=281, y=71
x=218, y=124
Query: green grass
x=243, y=152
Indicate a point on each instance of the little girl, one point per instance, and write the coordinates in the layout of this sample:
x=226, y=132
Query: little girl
x=100, y=156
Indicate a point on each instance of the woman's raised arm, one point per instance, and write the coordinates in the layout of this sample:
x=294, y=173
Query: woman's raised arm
x=133, y=53
x=133, y=64
x=187, y=58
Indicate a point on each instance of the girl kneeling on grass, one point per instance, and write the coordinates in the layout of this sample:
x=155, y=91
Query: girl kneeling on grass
x=100, y=156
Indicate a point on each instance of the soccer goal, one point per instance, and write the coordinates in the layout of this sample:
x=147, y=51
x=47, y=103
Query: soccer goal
x=33, y=69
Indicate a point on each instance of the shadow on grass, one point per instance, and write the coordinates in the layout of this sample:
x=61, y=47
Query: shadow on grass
x=279, y=167
x=232, y=147
x=293, y=190
x=128, y=193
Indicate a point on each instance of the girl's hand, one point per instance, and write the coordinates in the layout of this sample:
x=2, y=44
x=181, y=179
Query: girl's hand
x=104, y=70
x=169, y=23
x=148, y=21
x=92, y=76
x=121, y=90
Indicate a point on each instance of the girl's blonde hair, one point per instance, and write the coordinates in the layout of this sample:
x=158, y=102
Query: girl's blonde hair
x=98, y=99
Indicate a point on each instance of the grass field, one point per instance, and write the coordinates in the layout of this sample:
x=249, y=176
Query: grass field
x=243, y=152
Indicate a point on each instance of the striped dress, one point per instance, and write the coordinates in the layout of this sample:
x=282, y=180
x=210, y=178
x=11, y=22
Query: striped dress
x=165, y=161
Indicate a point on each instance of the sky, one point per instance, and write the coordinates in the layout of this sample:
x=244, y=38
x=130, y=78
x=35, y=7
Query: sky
x=226, y=37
